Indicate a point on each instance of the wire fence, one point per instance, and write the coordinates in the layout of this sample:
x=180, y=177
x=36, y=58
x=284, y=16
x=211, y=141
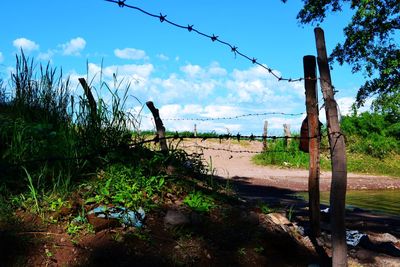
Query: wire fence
x=232, y=117
x=214, y=38
x=178, y=137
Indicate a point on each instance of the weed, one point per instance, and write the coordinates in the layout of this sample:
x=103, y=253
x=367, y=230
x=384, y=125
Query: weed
x=198, y=201
x=265, y=208
x=33, y=191
x=290, y=212
x=241, y=251
x=259, y=249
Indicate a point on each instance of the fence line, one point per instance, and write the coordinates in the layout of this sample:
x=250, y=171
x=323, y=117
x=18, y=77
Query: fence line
x=231, y=117
x=156, y=140
x=214, y=38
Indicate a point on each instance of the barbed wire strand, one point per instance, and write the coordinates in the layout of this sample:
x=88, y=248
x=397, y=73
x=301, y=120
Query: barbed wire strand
x=231, y=117
x=157, y=139
x=214, y=38
x=238, y=137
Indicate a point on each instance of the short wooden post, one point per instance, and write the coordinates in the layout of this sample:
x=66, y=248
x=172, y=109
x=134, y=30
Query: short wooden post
x=159, y=126
x=265, y=134
x=89, y=95
x=338, y=156
x=195, y=130
x=286, y=130
x=310, y=83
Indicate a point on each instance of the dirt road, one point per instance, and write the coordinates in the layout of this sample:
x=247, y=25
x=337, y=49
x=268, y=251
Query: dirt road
x=238, y=166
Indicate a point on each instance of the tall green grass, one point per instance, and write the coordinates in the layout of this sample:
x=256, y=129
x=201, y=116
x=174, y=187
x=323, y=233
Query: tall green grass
x=63, y=147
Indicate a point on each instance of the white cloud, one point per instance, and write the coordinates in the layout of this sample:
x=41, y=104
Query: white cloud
x=170, y=111
x=214, y=111
x=1, y=57
x=46, y=56
x=130, y=53
x=25, y=44
x=192, y=70
x=192, y=109
x=74, y=46
x=163, y=57
x=134, y=72
x=345, y=104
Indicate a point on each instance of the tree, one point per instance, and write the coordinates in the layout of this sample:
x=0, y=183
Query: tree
x=370, y=47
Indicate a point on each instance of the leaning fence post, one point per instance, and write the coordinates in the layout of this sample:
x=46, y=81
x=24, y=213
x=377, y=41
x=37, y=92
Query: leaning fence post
x=92, y=102
x=265, y=135
x=338, y=157
x=286, y=129
x=159, y=126
x=310, y=83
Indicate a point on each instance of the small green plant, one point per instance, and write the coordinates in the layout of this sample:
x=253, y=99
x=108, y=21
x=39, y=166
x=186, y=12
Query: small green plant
x=33, y=192
x=242, y=251
x=73, y=228
x=198, y=201
x=265, y=208
x=290, y=213
x=259, y=249
x=48, y=253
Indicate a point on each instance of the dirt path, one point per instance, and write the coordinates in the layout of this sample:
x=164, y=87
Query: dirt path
x=238, y=166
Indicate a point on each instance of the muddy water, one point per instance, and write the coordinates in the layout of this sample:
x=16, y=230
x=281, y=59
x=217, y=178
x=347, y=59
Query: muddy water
x=383, y=201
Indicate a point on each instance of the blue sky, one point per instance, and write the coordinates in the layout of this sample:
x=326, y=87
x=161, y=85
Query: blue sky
x=186, y=75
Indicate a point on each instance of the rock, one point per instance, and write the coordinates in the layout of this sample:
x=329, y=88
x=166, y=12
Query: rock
x=278, y=218
x=382, y=238
x=381, y=243
x=364, y=255
x=101, y=223
x=250, y=218
x=196, y=219
x=175, y=218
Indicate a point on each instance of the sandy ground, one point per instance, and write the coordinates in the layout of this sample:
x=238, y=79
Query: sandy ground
x=238, y=166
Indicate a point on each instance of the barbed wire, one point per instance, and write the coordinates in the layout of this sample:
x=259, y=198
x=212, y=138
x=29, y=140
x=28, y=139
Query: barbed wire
x=214, y=38
x=157, y=139
x=231, y=117
x=221, y=137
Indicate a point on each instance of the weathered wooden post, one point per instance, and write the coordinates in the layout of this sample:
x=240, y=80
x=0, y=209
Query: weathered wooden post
x=286, y=130
x=310, y=83
x=265, y=134
x=338, y=157
x=159, y=126
x=92, y=102
x=195, y=130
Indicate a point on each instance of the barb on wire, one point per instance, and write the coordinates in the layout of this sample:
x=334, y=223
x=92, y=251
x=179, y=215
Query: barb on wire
x=213, y=38
x=221, y=137
x=232, y=117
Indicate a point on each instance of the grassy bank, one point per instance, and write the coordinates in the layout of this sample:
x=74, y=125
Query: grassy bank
x=357, y=162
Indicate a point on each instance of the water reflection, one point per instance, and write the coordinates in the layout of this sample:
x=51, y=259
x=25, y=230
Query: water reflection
x=384, y=201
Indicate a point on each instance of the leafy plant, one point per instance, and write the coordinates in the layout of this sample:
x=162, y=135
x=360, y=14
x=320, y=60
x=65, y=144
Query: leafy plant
x=198, y=201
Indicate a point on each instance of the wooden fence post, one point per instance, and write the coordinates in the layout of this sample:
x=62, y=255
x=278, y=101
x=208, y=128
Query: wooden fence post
x=159, y=126
x=310, y=83
x=92, y=102
x=195, y=130
x=286, y=129
x=265, y=134
x=338, y=157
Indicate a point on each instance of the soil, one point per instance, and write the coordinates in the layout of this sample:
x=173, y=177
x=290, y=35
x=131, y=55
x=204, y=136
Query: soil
x=236, y=233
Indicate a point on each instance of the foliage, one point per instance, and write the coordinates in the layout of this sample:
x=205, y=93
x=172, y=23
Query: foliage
x=278, y=154
x=371, y=134
x=198, y=201
x=126, y=186
x=371, y=45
